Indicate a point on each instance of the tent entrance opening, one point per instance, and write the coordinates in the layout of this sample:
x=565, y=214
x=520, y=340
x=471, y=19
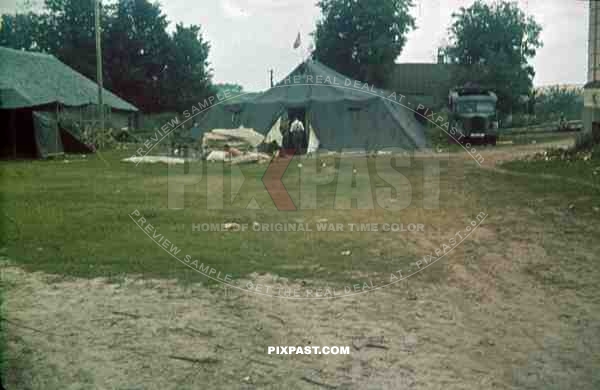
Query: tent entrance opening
x=298, y=141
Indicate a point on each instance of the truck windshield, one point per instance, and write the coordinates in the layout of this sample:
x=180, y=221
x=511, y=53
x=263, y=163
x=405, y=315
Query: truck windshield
x=473, y=107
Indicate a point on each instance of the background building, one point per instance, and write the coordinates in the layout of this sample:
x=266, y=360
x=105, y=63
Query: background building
x=591, y=109
x=424, y=83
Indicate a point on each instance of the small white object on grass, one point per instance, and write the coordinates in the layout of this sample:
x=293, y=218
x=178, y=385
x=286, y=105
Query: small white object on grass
x=355, y=171
x=232, y=226
x=300, y=165
x=346, y=253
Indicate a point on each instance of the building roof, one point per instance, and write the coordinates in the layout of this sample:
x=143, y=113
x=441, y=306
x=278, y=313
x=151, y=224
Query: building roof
x=34, y=79
x=421, y=78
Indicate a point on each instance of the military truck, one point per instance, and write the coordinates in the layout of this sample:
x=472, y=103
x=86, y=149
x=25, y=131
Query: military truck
x=473, y=112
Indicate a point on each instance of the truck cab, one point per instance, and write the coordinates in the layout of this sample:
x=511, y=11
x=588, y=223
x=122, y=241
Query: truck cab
x=473, y=112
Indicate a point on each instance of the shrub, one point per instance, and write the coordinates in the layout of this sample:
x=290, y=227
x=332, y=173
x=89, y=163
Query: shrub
x=551, y=102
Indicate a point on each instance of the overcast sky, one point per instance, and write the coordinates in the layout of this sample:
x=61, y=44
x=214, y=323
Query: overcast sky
x=249, y=37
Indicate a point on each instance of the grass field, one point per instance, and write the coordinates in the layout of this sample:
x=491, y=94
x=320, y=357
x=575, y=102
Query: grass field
x=73, y=218
x=588, y=171
x=515, y=306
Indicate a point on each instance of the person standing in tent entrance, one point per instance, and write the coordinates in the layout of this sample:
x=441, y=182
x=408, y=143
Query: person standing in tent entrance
x=297, y=135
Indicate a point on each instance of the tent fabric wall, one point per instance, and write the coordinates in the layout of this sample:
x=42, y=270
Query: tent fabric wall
x=72, y=144
x=35, y=134
x=313, y=140
x=47, y=134
x=341, y=115
x=274, y=135
x=17, y=135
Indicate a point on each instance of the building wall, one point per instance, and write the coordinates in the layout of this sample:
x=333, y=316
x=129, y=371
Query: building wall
x=591, y=103
x=594, y=42
x=425, y=83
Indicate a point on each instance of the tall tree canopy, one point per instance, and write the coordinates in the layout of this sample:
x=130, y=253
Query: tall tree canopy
x=19, y=31
x=188, y=72
x=362, y=39
x=143, y=62
x=135, y=51
x=495, y=42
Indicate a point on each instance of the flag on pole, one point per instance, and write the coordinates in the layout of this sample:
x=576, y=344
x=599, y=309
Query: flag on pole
x=297, y=42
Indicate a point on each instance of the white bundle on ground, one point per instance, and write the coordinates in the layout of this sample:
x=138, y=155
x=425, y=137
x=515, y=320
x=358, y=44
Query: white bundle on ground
x=242, y=135
x=218, y=155
x=250, y=158
x=155, y=159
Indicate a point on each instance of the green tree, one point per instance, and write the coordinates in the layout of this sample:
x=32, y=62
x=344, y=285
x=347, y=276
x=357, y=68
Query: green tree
x=550, y=103
x=19, y=31
x=188, y=76
x=231, y=87
x=362, y=39
x=143, y=63
x=495, y=43
x=136, y=53
x=67, y=31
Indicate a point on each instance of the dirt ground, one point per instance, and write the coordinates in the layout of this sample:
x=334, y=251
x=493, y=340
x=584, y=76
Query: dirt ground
x=493, y=156
x=483, y=326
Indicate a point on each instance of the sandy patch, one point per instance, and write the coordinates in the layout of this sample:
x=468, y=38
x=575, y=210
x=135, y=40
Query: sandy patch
x=129, y=333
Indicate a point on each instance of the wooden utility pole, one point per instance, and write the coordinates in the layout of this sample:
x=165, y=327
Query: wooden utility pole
x=271, y=73
x=99, y=66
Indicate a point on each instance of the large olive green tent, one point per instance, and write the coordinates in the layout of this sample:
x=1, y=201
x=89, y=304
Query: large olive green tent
x=34, y=87
x=342, y=112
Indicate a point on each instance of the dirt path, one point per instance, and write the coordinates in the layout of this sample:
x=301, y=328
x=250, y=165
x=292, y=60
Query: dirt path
x=493, y=156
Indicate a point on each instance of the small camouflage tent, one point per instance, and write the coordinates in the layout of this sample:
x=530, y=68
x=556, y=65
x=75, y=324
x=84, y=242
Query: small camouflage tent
x=33, y=88
x=342, y=112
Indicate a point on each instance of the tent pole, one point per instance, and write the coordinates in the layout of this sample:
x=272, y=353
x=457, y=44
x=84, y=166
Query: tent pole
x=14, y=131
x=56, y=128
